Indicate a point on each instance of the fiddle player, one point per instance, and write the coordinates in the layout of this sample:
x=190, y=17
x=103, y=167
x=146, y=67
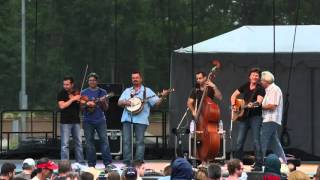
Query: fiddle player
x=196, y=94
x=68, y=103
x=95, y=120
x=139, y=121
x=252, y=93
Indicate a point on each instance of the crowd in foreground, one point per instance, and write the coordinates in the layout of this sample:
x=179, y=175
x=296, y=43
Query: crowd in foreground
x=178, y=169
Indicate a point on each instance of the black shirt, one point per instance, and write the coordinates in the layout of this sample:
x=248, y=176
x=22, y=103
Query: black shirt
x=251, y=96
x=196, y=94
x=70, y=114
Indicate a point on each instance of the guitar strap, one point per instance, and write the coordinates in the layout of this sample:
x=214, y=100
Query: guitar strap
x=246, y=112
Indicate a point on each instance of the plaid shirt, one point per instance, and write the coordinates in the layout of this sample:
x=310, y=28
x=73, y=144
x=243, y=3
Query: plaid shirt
x=273, y=96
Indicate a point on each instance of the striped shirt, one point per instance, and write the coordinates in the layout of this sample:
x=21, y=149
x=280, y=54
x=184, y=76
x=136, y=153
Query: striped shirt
x=273, y=96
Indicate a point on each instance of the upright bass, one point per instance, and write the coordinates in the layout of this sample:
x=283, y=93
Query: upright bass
x=207, y=138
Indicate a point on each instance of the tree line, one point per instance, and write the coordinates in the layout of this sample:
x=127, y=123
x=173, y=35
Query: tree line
x=115, y=37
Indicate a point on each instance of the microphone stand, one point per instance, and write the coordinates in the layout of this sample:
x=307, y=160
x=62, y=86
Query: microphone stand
x=177, y=132
x=131, y=127
x=230, y=136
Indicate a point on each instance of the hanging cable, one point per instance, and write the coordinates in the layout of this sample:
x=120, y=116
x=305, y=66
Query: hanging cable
x=192, y=41
x=285, y=138
x=274, y=36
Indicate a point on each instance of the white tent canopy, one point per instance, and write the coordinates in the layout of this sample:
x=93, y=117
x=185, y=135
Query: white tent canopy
x=259, y=39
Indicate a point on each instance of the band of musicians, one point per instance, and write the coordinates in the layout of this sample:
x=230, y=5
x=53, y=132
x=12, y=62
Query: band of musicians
x=256, y=105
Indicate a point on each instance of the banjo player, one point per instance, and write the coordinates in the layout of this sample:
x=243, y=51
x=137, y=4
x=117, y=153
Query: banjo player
x=136, y=115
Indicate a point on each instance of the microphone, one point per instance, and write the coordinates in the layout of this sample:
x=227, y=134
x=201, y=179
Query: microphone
x=132, y=93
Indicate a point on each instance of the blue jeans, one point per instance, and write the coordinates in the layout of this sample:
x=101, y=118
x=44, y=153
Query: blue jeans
x=269, y=136
x=89, y=132
x=139, y=133
x=65, y=131
x=253, y=123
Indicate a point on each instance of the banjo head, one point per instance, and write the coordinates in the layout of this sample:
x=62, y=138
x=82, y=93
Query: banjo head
x=136, y=105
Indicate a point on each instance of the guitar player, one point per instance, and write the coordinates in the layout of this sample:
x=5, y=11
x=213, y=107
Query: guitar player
x=252, y=93
x=140, y=121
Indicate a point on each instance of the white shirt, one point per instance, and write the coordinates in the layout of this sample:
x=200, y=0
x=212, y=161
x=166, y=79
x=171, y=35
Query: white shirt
x=273, y=96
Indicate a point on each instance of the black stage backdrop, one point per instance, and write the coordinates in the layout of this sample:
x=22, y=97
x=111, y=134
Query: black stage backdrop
x=304, y=114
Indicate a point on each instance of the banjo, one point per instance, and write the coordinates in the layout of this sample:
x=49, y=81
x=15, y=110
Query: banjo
x=137, y=103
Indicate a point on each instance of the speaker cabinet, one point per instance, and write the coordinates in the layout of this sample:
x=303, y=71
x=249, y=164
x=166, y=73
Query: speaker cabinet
x=114, y=113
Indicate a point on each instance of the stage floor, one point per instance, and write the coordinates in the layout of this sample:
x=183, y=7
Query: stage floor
x=158, y=165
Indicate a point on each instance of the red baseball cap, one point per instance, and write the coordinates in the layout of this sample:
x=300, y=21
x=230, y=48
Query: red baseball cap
x=48, y=165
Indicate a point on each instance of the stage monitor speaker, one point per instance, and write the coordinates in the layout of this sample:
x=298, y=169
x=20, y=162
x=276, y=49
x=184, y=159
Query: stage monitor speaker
x=114, y=112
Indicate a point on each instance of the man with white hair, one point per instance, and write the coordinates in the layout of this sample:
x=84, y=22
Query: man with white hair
x=272, y=106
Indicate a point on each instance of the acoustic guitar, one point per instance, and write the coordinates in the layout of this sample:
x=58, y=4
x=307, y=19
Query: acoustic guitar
x=237, y=112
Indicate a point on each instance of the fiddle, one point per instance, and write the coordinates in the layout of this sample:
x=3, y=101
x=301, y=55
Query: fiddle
x=74, y=95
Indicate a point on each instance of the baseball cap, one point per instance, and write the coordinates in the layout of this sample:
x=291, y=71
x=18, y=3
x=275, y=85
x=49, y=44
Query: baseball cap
x=48, y=165
x=28, y=163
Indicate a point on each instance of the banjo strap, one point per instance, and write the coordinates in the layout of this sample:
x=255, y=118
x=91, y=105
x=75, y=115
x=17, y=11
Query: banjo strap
x=144, y=93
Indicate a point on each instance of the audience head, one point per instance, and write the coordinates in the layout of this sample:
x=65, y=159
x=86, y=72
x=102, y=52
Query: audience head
x=72, y=176
x=7, y=170
x=64, y=166
x=140, y=167
x=214, y=172
x=28, y=164
x=45, y=167
x=113, y=175
x=202, y=174
x=167, y=170
x=181, y=169
x=272, y=164
x=235, y=167
x=86, y=176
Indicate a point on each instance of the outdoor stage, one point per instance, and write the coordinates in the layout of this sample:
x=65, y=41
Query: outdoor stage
x=155, y=167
